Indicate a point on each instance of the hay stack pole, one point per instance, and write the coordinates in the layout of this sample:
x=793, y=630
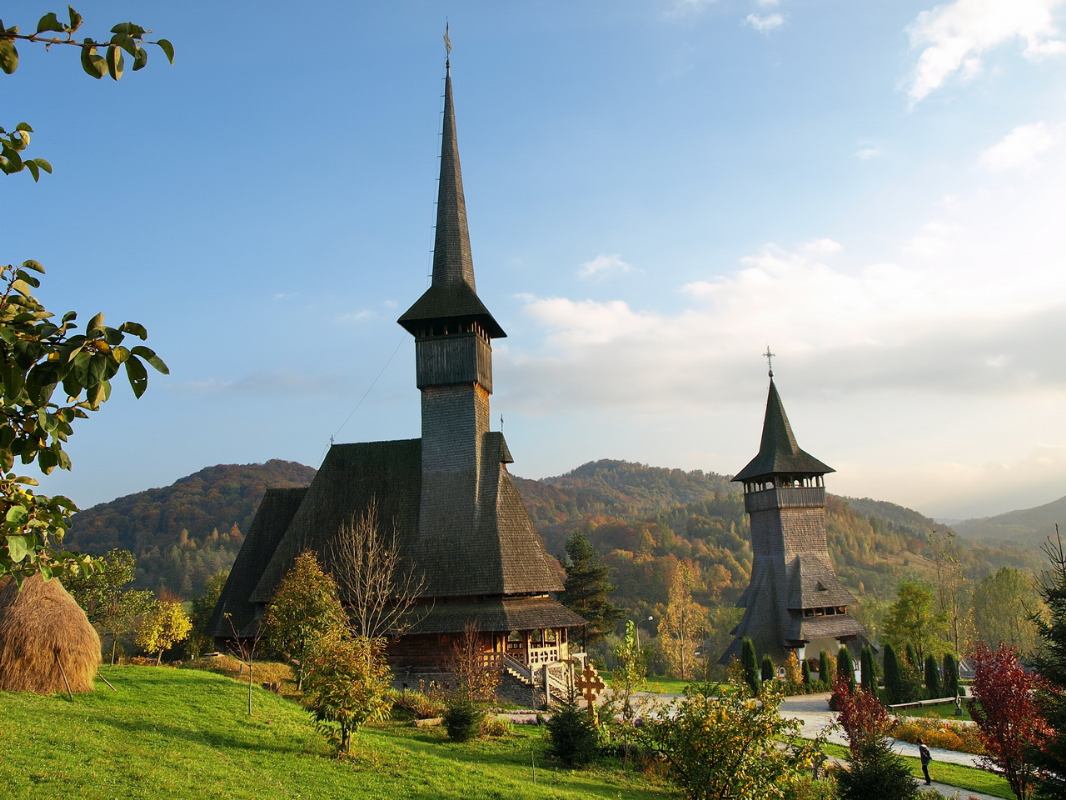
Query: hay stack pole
x=47, y=644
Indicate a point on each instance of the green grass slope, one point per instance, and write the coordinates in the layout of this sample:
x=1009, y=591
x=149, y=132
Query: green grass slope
x=185, y=734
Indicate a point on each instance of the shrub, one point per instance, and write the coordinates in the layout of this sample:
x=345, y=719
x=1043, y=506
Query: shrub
x=347, y=684
x=940, y=733
x=409, y=704
x=806, y=669
x=494, y=726
x=730, y=745
x=793, y=673
x=860, y=714
x=811, y=789
x=572, y=736
x=876, y=772
x=462, y=719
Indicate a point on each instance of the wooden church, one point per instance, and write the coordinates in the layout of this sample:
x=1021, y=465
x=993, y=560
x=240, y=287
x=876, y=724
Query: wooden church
x=460, y=523
x=794, y=601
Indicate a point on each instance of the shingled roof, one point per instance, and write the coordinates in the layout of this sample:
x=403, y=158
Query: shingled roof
x=453, y=293
x=815, y=585
x=465, y=543
x=272, y=518
x=779, y=453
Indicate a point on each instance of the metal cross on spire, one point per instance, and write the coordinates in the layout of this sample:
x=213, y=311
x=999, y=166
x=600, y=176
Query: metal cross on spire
x=769, y=359
x=447, y=46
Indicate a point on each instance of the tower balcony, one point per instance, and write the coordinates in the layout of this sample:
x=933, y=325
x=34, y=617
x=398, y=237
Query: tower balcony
x=784, y=497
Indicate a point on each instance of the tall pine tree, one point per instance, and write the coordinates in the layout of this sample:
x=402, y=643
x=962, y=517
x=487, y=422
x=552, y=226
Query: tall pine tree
x=1050, y=662
x=587, y=588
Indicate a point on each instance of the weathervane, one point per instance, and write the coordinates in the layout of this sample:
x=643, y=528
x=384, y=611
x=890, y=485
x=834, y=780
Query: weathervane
x=769, y=359
x=447, y=47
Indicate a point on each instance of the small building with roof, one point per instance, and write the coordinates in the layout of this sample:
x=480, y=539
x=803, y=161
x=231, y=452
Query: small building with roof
x=794, y=602
x=459, y=521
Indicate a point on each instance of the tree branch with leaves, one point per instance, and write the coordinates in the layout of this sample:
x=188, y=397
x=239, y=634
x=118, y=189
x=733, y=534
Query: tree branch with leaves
x=40, y=354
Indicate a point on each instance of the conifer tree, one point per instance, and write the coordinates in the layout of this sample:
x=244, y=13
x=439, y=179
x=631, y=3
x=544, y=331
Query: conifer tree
x=868, y=674
x=932, y=677
x=951, y=676
x=767, y=668
x=893, y=676
x=823, y=668
x=749, y=663
x=1050, y=663
x=913, y=659
x=846, y=667
x=806, y=673
x=588, y=587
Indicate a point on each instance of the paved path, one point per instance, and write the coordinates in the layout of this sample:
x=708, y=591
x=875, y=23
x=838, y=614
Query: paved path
x=812, y=710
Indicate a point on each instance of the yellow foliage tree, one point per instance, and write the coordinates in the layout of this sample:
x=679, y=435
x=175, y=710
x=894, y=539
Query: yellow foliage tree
x=163, y=626
x=683, y=624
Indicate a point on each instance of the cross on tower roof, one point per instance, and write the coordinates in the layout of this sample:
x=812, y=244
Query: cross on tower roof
x=769, y=359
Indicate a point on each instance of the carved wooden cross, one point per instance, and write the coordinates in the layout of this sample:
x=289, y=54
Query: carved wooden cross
x=589, y=684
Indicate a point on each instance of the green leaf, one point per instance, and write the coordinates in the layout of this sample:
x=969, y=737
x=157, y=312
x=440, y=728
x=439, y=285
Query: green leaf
x=135, y=329
x=167, y=48
x=140, y=60
x=24, y=126
x=17, y=548
x=96, y=323
x=75, y=18
x=125, y=41
x=149, y=355
x=35, y=171
x=94, y=65
x=30, y=263
x=16, y=515
x=9, y=56
x=43, y=164
x=22, y=141
x=138, y=376
x=50, y=22
x=115, y=62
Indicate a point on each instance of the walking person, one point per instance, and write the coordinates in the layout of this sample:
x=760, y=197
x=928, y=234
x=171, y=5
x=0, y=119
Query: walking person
x=926, y=756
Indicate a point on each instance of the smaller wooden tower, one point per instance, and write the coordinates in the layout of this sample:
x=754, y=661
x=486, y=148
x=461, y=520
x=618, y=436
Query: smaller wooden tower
x=794, y=602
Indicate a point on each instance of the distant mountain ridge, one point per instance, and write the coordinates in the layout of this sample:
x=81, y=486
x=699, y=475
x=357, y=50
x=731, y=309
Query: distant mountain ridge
x=1028, y=526
x=641, y=519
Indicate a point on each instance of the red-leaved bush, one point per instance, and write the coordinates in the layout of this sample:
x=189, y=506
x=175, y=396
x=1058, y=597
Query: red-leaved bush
x=1006, y=711
x=860, y=714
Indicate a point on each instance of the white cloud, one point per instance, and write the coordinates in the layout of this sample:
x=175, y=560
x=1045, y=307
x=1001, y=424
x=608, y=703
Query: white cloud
x=1020, y=149
x=821, y=248
x=973, y=301
x=955, y=37
x=764, y=23
x=603, y=265
x=767, y=3
x=680, y=7
x=867, y=152
x=359, y=315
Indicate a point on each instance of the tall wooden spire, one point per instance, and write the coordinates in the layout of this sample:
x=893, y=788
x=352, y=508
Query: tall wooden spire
x=452, y=295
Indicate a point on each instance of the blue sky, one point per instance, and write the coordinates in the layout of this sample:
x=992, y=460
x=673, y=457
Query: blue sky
x=656, y=191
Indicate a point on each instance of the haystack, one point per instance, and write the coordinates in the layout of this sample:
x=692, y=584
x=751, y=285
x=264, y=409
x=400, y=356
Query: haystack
x=46, y=641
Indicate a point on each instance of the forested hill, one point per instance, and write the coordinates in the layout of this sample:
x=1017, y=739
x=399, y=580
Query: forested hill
x=184, y=533
x=641, y=519
x=1030, y=526
x=644, y=519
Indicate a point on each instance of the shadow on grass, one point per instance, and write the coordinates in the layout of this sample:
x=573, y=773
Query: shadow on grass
x=208, y=738
x=486, y=754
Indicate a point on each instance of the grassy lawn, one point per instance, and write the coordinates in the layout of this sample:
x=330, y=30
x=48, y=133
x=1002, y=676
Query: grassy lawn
x=184, y=734
x=940, y=711
x=965, y=778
